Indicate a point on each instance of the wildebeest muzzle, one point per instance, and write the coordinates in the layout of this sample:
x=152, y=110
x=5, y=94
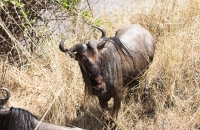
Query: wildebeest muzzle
x=99, y=89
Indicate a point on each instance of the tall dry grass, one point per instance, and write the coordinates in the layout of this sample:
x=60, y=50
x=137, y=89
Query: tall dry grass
x=51, y=86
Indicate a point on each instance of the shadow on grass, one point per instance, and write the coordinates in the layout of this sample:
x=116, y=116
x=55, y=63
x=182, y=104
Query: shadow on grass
x=90, y=118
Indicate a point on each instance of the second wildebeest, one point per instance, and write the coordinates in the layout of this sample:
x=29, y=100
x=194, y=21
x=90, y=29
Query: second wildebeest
x=20, y=119
x=108, y=64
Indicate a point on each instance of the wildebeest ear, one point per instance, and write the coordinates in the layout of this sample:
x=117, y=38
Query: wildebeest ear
x=71, y=54
x=101, y=45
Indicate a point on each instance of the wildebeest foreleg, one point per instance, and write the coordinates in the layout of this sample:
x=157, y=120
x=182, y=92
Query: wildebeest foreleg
x=104, y=105
x=117, y=104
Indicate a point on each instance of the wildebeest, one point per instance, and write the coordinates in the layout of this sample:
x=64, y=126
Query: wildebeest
x=20, y=119
x=109, y=64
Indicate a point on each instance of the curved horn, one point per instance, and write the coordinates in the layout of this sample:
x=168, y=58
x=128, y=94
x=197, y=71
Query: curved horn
x=61, y=45
x=3, y=100
x=7, y=94
x=102, y=31
x=79, y=48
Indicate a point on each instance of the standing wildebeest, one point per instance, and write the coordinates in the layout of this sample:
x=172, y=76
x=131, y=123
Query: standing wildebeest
x=110, y=64
x=20, y=119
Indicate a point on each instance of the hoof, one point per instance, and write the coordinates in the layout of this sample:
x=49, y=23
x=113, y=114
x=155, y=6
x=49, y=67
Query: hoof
x=107, y=116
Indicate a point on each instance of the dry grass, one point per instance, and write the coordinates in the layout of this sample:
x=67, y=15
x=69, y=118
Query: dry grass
x=51, y=86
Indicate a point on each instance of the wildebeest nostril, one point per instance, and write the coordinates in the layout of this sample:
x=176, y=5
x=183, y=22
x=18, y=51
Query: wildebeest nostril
x=97, y=91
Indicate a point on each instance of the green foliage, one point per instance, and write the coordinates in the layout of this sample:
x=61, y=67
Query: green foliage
x=87, y=16
x=70, y=5
x=17, y=3
x=1, y=3
x=20, y=16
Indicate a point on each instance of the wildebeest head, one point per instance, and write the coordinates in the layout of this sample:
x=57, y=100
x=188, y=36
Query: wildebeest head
x=87, y=57
x=14, y=118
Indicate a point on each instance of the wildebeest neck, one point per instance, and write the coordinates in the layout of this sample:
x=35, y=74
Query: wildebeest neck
x=92, y=73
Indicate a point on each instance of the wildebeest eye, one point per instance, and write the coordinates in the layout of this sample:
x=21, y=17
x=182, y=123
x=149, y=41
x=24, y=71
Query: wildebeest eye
x=82, y=59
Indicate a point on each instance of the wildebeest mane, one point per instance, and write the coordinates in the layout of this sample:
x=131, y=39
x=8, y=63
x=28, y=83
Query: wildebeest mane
x=92, y=71
x=17, y=119
x=117, y=42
